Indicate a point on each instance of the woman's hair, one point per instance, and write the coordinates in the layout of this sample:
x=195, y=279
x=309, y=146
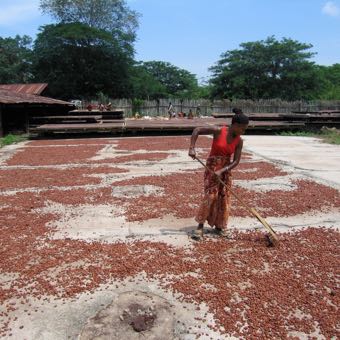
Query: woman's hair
x=240, y=118
x=237, y=111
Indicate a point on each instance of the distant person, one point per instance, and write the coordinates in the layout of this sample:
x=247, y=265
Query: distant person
x=190, y=115
x=89, y=107
x=237, y=111
x=170, y=111
x=108, y=107
x=198, y=111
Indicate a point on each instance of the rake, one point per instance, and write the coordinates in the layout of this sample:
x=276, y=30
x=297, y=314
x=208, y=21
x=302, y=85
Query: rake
x=273, y=236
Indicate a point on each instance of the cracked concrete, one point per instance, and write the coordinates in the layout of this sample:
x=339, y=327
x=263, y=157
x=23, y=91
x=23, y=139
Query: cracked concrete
x=284, y=183
x=307, y=156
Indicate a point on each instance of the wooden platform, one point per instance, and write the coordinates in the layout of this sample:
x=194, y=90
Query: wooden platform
x=317, y=112
x=252, y=116
x=311, y=116
x=80, y=127
x=77, y=121
x=180, y=124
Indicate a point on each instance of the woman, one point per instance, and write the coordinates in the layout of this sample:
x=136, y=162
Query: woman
x=215, y=206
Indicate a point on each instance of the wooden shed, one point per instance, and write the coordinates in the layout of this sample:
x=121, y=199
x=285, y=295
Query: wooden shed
x=16, y=108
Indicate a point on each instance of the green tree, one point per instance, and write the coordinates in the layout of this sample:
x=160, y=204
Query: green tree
x=79, y=61
x=109, y=15
x=145, y=85
x=15, y=59
x=330, y=76
x=266, y=69
x=203, y=91
x=176, y=81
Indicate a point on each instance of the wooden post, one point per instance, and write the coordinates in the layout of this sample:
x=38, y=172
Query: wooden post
x=26, y=119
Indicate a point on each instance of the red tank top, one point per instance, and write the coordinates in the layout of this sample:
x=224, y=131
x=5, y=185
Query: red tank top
x=220, y=146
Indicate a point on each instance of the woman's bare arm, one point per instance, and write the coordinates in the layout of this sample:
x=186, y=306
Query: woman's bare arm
x=209, y=130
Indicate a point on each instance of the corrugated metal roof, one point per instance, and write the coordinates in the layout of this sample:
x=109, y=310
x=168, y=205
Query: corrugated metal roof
x=11, y=97
x=37, y=88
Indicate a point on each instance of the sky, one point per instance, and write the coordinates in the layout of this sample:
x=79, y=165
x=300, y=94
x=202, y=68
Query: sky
x=192, y=34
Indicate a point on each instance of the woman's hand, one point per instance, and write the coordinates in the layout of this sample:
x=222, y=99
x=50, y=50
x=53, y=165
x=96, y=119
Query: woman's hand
x=192, y=153
x=220, y=172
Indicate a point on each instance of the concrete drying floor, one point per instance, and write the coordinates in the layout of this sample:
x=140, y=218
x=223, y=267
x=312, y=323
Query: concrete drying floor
x=306, y=155
x=80, y=218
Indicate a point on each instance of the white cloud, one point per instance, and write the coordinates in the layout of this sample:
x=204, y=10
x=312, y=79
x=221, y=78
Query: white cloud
x=18, y=12
x=330, y=8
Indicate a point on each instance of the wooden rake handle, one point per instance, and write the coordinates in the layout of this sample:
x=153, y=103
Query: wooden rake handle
x=249, y=209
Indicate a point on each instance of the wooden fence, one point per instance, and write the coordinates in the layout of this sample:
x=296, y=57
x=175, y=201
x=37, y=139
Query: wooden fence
x=205, y=107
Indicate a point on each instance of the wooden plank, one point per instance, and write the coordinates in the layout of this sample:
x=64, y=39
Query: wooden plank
x=310, y=115
x=251, y=116
x=68, y=117
x=317, y=112
x=84, y=126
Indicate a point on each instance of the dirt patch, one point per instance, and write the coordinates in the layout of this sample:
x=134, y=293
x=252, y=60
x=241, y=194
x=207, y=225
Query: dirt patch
x=132, y=315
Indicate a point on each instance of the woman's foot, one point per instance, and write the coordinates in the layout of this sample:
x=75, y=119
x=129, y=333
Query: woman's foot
x=198, y=234
x=222, y=232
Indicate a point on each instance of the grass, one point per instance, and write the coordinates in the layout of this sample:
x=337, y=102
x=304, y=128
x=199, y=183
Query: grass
x=12, y=139
x=331, y=136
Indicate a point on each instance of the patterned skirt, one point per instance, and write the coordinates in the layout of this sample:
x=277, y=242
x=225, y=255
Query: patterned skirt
x=216, y=203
